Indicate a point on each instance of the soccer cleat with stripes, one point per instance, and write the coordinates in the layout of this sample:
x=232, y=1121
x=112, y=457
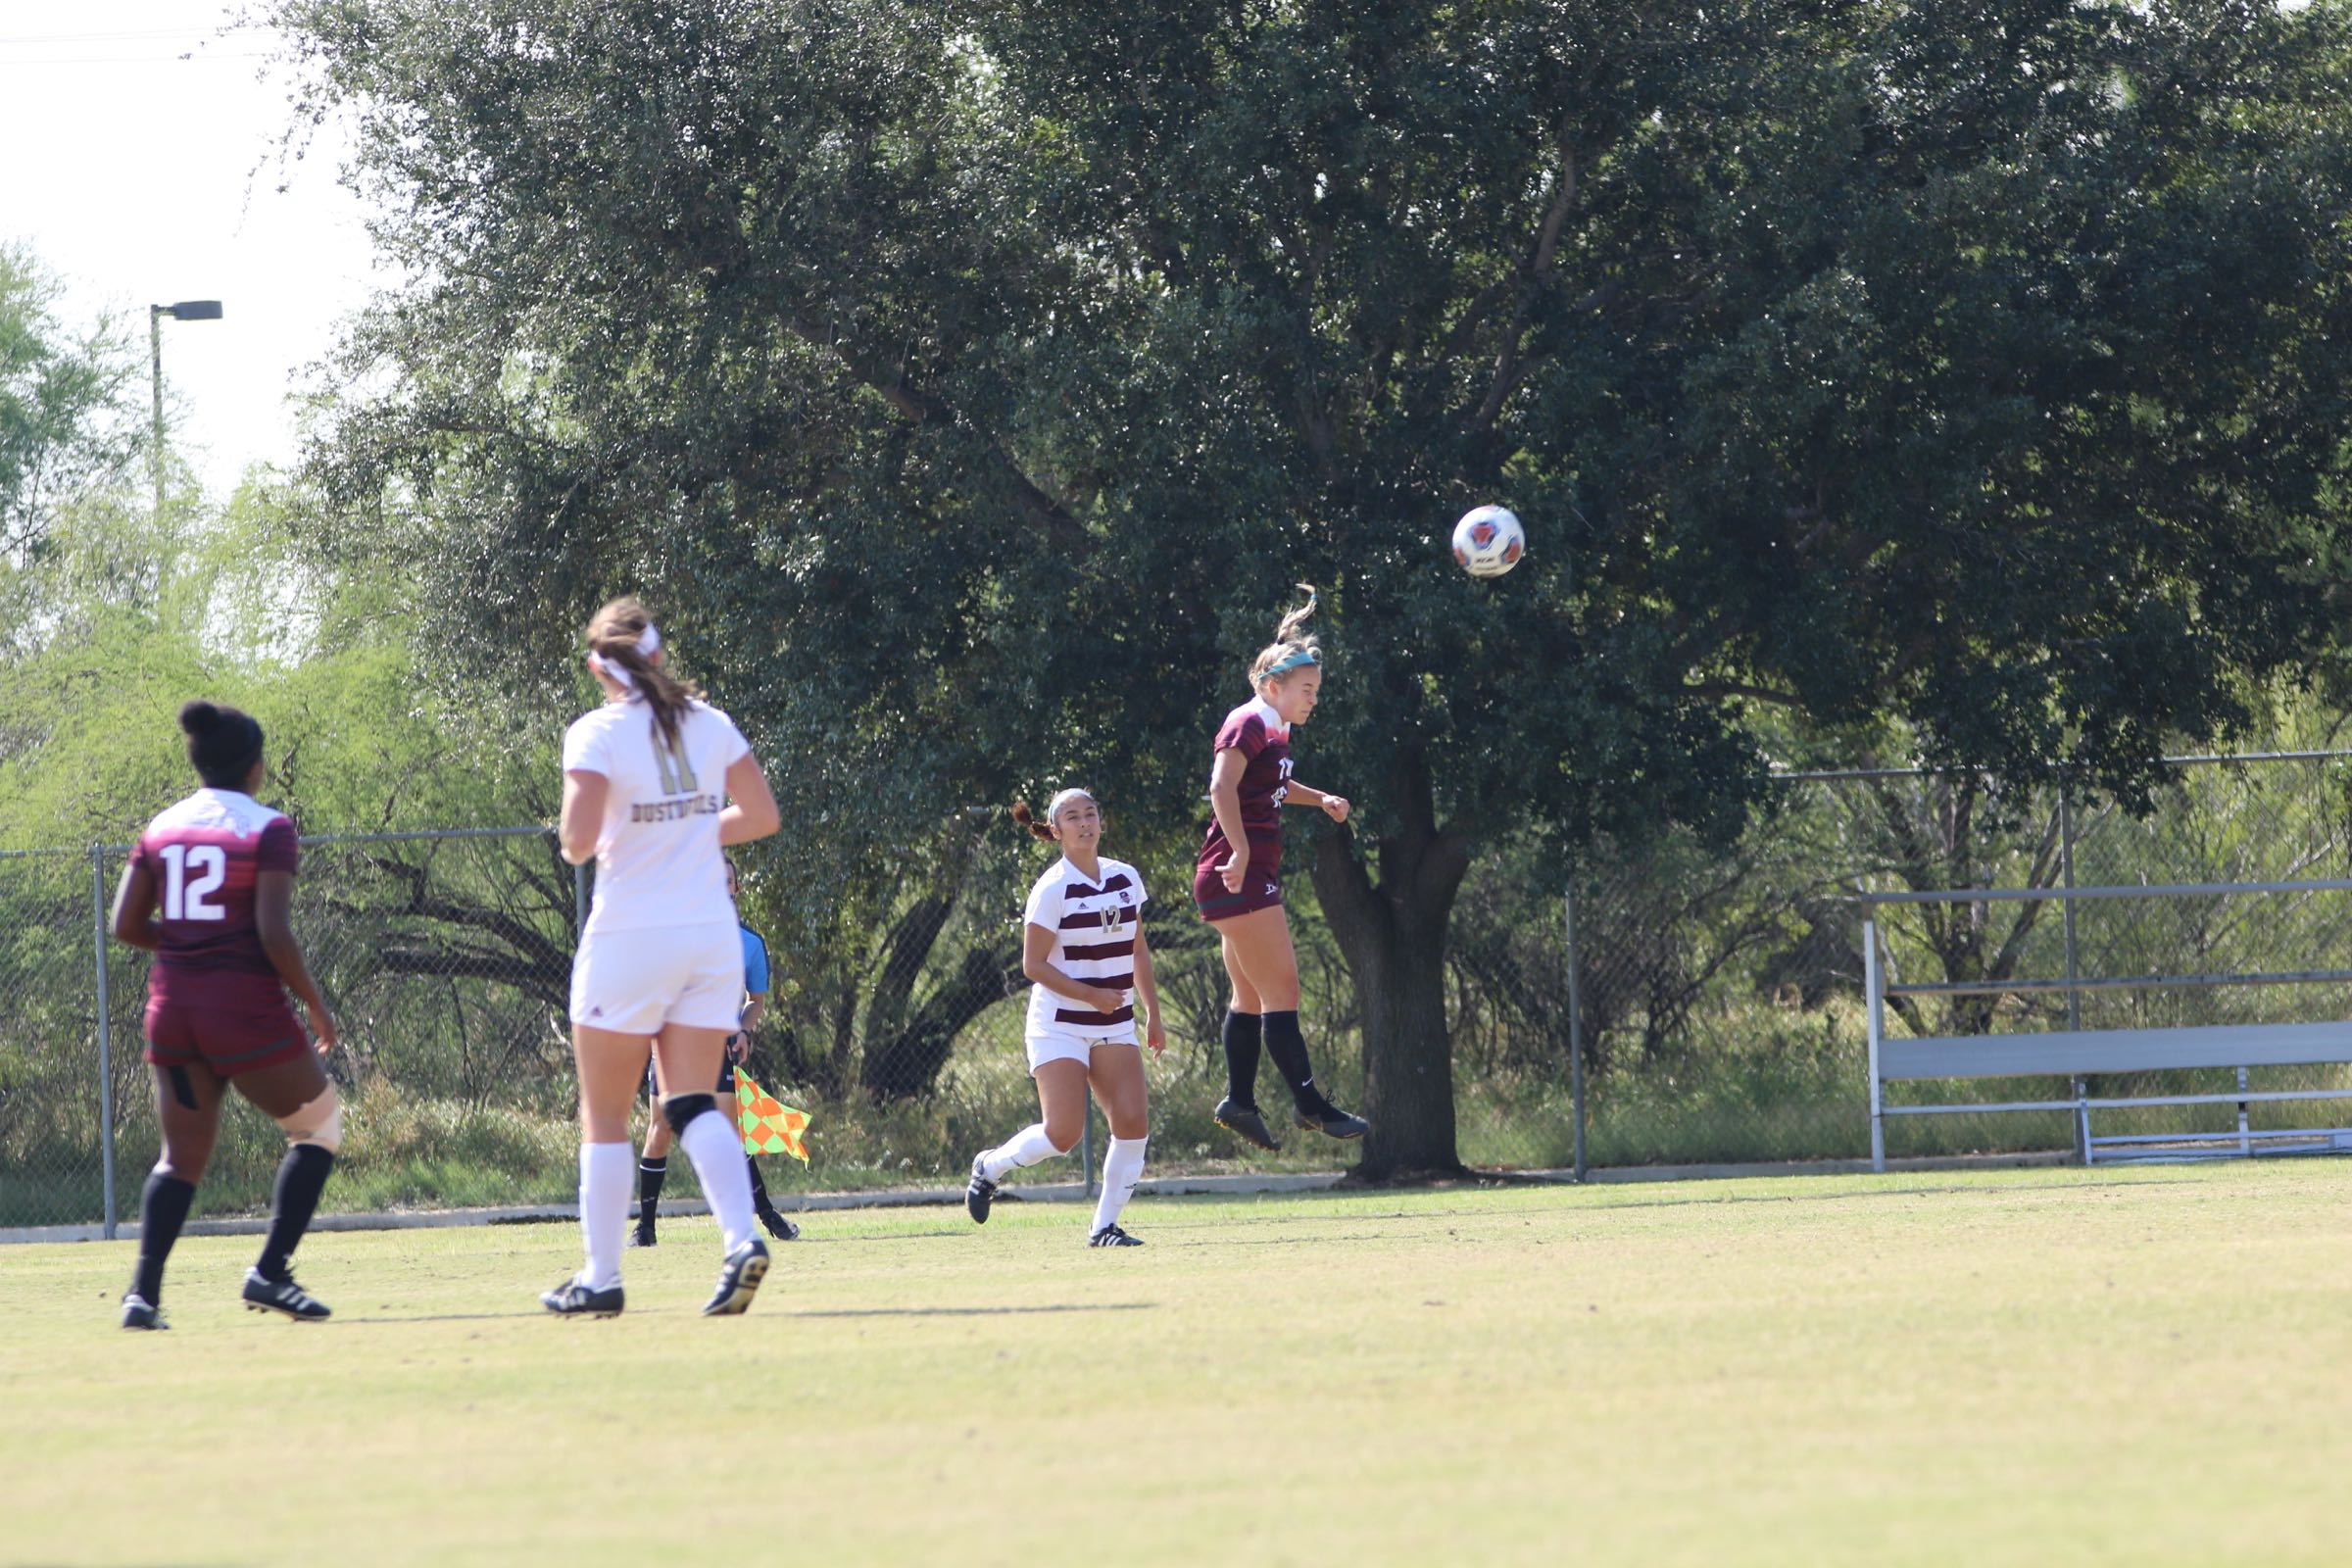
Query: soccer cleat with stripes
x=978, y=1194
x=265, y=1294
x=576, y=1298
x=140, y=1313
x=1112, y=1235
x=739, y=1280
x=1245, y=1122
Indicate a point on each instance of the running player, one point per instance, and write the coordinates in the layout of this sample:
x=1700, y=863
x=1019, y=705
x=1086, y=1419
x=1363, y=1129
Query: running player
x=1083, y=945
x=1238, y=884
x=647, y=781
x=208, y=891
x=652, y=1168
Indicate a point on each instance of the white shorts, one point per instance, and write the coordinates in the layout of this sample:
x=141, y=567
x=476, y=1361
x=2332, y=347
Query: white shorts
x=634, y=982
x=1067, y=1045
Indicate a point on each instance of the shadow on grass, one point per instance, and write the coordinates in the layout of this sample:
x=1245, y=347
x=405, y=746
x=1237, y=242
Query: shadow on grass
x=980, y=1311
x=857, y=1312
x=1164, y=1222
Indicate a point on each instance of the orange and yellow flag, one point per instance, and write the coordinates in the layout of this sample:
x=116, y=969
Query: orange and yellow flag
x=769, y=1125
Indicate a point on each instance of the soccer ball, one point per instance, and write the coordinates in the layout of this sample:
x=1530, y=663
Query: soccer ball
x=1489, y=541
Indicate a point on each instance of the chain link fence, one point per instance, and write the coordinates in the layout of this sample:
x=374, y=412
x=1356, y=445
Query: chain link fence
x=1663, y=1002
x=1721, y=991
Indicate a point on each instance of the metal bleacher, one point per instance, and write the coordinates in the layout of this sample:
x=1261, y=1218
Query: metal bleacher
x=2077, y=1055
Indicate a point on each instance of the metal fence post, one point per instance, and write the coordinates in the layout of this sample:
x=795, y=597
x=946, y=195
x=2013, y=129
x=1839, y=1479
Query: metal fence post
x=1576, y=1036
x=1873, y=991
x=579, y=899
x=106, y=1066
x=2073, y=998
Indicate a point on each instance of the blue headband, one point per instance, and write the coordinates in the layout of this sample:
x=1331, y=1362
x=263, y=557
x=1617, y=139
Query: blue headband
x=1289, y=661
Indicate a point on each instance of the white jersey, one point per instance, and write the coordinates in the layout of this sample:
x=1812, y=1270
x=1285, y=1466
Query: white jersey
x=658, y=860
x=1093, y=927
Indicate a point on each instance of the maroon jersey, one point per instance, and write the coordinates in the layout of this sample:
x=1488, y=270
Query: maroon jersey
x=205, y=855
x=1258, y=733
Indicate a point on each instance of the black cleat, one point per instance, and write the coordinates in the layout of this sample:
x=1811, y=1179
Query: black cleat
x=574, y=1298
x=140, y=1313
x=978, y=1195
x=642, y=1235
x=1112, y=1235
x=739, y=1280
x=1331, y=1119
x=1245, y=1122
x=282, y=1296
x=776, y=1225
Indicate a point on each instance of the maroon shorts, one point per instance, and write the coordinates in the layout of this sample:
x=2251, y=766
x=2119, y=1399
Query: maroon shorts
x=1261, y=889
x=228, y=1039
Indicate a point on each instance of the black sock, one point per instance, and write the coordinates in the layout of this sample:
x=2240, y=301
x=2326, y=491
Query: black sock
x=1241, y=1034
x=760, y=1202
x=163, y=1209
x=650, y=1176
x=1287, y=1047
x=301, y=1178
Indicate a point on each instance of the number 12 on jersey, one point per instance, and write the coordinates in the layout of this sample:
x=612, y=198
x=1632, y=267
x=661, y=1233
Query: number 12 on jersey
x=189, y=899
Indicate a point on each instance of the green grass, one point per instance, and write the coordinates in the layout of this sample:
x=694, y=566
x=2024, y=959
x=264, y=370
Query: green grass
x=2148, y=1366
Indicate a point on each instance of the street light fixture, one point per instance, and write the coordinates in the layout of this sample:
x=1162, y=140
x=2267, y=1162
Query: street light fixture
x=185, y=310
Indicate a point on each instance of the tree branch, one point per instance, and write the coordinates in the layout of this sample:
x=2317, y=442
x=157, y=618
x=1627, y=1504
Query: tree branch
x=1533, y=275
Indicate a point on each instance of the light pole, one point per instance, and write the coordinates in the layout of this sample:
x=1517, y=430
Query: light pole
x=185, y=310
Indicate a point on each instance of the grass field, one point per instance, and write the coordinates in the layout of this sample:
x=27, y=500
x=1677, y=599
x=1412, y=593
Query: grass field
x=2149, y=1366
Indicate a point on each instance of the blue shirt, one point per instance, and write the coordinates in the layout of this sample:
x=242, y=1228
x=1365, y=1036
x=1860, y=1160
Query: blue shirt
x=755, y=963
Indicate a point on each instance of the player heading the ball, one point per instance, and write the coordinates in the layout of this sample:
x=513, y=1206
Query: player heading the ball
x=1083, y=948
x=209, y=891
x=656, y=781
x=1238, y=882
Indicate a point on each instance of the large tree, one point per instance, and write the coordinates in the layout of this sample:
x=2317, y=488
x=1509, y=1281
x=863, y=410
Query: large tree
x=974, y=379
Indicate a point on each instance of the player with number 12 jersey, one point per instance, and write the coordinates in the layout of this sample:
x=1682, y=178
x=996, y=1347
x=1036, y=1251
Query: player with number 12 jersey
x=212, y=978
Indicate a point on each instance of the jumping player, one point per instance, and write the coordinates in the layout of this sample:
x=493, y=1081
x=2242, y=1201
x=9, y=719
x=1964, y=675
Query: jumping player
x=653, y=1169
x=1083, y=946
x=647, y=781
x=208, y=891
x=1238, y=884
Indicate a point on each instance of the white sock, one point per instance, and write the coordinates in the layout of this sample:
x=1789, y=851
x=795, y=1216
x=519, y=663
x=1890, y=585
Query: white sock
x=1122, y=1164
x=1024, y=1148
x=717, y=1150
x=607, y=1181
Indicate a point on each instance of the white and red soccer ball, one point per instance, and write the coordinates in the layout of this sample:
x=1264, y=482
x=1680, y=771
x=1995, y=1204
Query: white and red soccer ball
x=1489, y=541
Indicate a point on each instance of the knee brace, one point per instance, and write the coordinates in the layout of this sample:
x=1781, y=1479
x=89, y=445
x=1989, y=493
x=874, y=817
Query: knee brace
x=679, y=1109
x=319, y=1122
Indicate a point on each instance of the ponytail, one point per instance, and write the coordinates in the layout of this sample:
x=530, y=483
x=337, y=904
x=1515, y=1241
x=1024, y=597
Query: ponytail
x=1293, y=647
x=618, y=638
x=1027, y=818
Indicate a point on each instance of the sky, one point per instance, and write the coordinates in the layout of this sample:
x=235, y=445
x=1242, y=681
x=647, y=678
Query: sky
x=137, y=176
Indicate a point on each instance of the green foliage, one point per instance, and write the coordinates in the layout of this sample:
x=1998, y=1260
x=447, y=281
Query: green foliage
x=69, y=405
x=967, y=384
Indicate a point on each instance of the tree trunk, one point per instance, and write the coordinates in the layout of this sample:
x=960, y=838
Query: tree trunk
x=1393, y=935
